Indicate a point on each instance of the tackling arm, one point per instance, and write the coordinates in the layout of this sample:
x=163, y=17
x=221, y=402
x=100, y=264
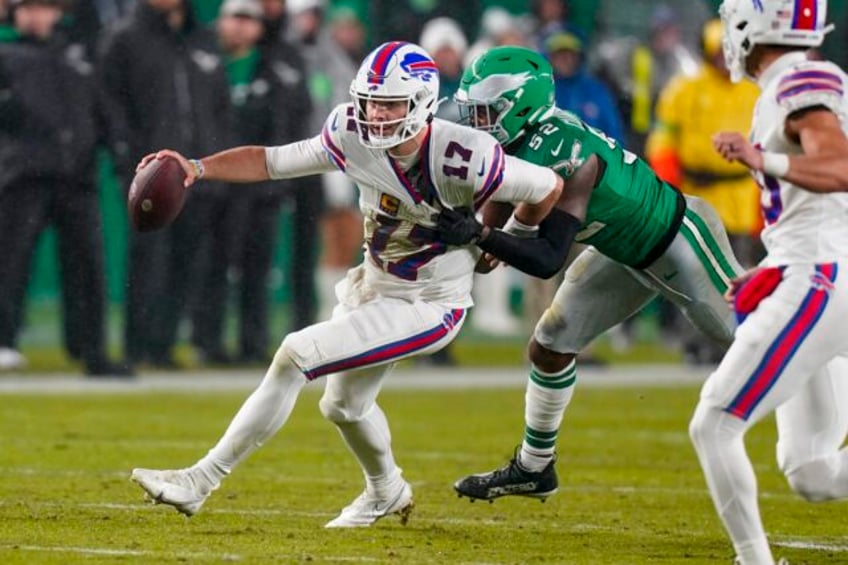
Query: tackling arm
x=542, y=256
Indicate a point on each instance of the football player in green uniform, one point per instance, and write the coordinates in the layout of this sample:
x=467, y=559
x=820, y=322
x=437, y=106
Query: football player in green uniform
x=645, y=238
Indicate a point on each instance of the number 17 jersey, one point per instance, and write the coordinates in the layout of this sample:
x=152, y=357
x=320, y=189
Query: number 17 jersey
x=456, y=166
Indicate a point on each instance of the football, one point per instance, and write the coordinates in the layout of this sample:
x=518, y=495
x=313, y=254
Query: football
x=156, y=194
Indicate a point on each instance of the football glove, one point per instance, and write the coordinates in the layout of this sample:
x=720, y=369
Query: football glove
x=459, y=226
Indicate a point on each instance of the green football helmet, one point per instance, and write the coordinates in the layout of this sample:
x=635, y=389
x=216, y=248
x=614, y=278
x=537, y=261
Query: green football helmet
x=505, y=91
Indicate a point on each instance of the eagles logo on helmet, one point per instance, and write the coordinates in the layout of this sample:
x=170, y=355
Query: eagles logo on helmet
x=505, y=90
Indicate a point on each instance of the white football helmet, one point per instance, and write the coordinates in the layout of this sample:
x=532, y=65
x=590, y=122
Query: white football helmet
x=789, y=23
x=395, y=71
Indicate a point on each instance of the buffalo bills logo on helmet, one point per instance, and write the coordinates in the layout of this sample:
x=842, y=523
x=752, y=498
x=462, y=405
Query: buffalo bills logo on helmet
x=419, y=66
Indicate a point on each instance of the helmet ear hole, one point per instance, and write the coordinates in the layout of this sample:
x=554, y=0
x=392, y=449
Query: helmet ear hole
x=523, y=112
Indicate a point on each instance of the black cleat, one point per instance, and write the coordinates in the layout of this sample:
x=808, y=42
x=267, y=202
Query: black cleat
x=509, y=480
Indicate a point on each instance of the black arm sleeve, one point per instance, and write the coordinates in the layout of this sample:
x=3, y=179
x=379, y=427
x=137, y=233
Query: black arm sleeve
x=542, y=256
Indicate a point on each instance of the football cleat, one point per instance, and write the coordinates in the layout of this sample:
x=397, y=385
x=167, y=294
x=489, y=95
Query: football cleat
x=174, y=488
x=509, y=480
x=367, y=509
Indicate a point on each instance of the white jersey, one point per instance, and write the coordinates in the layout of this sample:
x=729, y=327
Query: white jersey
x=800, y=226
x=458, y=166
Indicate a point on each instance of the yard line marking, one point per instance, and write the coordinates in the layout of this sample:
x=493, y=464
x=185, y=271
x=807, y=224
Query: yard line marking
x=124, y=552
x=798, y=544
x=406, y=378
x=179, y=555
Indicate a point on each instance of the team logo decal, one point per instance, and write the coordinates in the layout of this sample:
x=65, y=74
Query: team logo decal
x=448, y=321
x=821, y=282
x=389, y=204
x=419, y=66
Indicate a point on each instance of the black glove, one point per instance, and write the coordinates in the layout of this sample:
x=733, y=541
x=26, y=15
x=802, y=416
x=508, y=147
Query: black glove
x=459, y=226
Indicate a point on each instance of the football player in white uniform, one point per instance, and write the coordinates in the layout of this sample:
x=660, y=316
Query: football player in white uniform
x=410, y=294
x=788, y=351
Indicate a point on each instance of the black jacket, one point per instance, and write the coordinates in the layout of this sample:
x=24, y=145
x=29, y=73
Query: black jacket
x=276, y=108
x=49, y=117
x=167, y=89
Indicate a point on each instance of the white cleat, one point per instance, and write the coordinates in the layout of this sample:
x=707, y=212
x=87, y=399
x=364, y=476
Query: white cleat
x=175, y=488
x=367, y=509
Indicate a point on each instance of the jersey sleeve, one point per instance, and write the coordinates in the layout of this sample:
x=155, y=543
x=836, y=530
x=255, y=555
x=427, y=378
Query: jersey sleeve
x=811, y=85
x=523, y=182
x=298, y=159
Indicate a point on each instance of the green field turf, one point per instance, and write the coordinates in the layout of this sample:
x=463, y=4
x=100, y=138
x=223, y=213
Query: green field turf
x=631, y=489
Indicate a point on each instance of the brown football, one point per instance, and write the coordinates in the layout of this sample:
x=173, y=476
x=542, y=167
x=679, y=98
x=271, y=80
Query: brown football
x=156, y=194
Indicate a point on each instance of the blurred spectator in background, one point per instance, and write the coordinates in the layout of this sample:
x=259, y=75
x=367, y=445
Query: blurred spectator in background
x=576, y=90
x=167, y=84
x=275, y=20
x=636, y=71
x=348, y=31
x=305, y=198
x=270, y=101
x=335, y=199
x=445, y=41
x=690, y=110
x=50, y=123
x=498, y=27
x=393, y=20
x=91, y=17
x=549, y=17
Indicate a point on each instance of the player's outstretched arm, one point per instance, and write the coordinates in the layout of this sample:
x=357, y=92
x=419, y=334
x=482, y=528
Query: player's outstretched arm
x=240, y=164
x=823, y=167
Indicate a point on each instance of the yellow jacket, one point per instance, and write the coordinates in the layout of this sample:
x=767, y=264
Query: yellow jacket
x=689, y=111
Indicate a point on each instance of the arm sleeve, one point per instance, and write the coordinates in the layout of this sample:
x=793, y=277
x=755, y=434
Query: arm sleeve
x=541, y=257
x=298, y=159
x=524, y=182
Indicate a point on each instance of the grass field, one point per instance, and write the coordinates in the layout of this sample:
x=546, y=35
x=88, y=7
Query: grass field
x=631, y=489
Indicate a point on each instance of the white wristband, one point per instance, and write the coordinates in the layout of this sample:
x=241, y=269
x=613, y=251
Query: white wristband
x=775, y=164
x=518, y=229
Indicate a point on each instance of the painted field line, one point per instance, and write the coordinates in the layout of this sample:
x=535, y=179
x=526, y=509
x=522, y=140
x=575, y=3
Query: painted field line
x=124, y=552
x=800, y=544
x=674, y=376
x=227, y=557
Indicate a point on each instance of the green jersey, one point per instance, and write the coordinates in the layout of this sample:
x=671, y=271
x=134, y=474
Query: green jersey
x=632, y=215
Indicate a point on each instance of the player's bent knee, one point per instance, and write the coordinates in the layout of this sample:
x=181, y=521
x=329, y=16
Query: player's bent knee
x=812, y=481
x=703, y=427
x=711, y=426
x=283, y=356
x=546, y=359
x=336, y=410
